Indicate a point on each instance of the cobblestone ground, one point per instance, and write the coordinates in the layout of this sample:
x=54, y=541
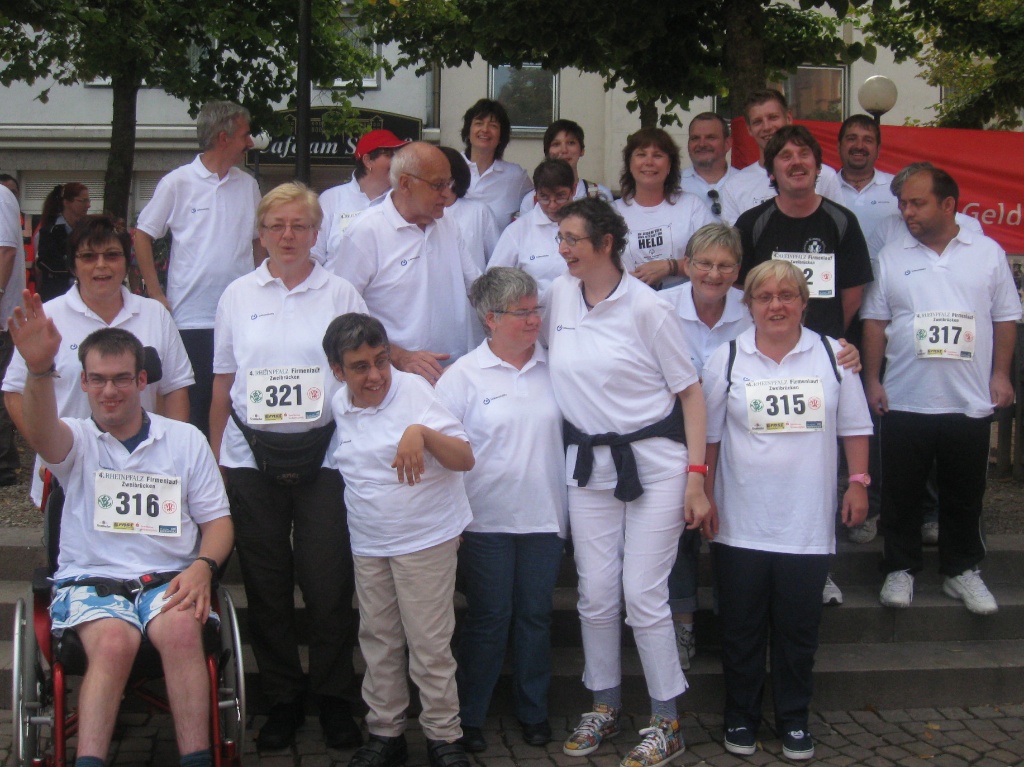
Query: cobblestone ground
x=986, y=736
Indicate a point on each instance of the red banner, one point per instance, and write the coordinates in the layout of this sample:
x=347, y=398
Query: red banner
x=981, y=161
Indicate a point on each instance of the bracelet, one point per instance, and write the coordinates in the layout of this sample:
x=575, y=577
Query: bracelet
x=214, y=567
x=697, y=469
x=673, y=267
x=50, y=372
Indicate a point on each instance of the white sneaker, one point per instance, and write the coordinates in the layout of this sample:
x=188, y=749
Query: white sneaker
x=865, y=532
x=686, y=643
x=930, y=533
x=831, y=594
x=969, y=587
x=898, y=589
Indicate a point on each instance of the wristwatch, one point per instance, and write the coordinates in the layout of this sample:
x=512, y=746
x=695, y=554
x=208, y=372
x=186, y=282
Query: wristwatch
x=864, y=479
x=211, y=562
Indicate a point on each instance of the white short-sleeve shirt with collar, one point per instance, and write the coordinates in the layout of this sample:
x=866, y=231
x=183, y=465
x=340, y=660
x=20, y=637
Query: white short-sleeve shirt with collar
x=479, y=230
x=751, y=186
x=529, y=244
x=893, y=227
x=702, y=340
x=777, y=492
x=617, y=368
x=501, y=188
x=212, y=222
x=262, y=324
x=415, y=281
x=872, y=204
x=172, y=449
x=341, y=205
x=695, y=184
x=144, y=318
x=11, y=237
x=388, y=518
x=972, y=275
x=515, y=428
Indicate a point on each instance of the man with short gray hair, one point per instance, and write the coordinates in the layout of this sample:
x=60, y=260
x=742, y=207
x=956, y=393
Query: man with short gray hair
x=209, y=207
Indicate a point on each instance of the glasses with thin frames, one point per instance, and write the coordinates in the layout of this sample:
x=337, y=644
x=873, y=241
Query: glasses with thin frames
x=362, y=368
x=522, y=314
x=279, y=229
x=98, y=382
x=558, y=199
x=706, y=267
x=571, y=239
x=437, y=186
x=784, y=298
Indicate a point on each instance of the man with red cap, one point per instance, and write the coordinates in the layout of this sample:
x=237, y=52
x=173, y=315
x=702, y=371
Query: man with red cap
x=342, y=204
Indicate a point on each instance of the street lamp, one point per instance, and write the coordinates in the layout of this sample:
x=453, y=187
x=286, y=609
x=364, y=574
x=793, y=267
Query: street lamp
x=877, y=96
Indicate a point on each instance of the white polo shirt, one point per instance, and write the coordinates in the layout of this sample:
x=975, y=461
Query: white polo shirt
x=693, y=183
x=144, y=318
x=617, y=368
x=603, y=193
x=11, y=237
x=479, y=230
x=777, y=492
x=971, y=275
x=515, y=428
x=871, y=204
x=529, y=244
x=661, y=231
x=415, y=281
x=893, y=227
x=212, y=222
x=388, y=518
x=501, y=188
x=700, y=339
x=341, y=205
x=172, y=449
x=750, y=187
x=261, y=324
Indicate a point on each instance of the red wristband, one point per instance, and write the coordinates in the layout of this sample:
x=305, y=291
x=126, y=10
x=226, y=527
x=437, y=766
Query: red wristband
x=697, y=469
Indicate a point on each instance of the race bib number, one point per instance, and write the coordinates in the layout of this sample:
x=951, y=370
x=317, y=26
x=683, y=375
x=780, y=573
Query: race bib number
x=819, y=270
x=285, y=395
x=128, y=502
x=779, y=405
x=944, y=335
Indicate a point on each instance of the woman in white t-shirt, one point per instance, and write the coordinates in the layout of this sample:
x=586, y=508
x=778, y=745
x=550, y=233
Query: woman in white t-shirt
x=777, y=401
x=661, y=217
x=500, y=185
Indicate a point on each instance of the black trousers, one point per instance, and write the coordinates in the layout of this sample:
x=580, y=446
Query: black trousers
x=198, y=345
x=764, y=594
x=959, y=447
x=284, y=535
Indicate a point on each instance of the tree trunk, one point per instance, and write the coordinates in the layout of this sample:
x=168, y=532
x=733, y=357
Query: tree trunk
x=744, y=51
x=120, y=161
x=648, y=113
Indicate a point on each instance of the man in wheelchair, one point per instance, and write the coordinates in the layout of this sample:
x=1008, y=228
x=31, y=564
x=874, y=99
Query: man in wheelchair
x=145, y=527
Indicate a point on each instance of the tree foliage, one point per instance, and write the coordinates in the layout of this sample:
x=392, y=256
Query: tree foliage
x=242, y=50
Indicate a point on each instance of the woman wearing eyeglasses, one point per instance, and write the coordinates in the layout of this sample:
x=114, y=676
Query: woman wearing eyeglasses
x=272, y=430
x=634, y=426
x=661, y=217
x=63, y=208
x=777, y=401
x=98, y=250
x=511, y=551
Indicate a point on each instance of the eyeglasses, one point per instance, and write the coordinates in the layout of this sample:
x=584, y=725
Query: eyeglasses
x=716, y=206
x=522, y=314
x=279, y=229
x=571, y=239
x=89, y=257
x=559, y=199
x=97, y=382
x=437, y=186
x=706, y=267
x=784, y=298
x=362, y=368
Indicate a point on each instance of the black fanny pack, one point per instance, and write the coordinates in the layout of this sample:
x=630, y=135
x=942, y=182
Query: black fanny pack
x=288, y=459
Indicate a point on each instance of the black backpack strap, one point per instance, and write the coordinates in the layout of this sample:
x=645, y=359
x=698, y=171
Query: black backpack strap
x=728, y=367
x=832, y=358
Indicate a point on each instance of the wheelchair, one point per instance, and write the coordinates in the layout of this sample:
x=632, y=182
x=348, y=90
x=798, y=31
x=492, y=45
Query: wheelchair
x=41, y=665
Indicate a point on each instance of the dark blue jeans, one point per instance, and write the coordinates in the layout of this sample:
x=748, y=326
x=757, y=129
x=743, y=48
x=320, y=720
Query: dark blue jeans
x=682, y=581
x=508, y=580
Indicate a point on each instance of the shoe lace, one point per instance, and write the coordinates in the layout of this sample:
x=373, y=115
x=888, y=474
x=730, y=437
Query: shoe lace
x=654, y=744
x=973, y=583
x=590, y=725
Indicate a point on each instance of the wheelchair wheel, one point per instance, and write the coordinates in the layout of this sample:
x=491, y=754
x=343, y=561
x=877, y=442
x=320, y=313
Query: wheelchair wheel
x=232, y=687
x=25, y=687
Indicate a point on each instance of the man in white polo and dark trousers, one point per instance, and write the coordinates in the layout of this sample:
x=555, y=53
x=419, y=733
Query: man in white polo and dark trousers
x=209, y=207
x=942, y=313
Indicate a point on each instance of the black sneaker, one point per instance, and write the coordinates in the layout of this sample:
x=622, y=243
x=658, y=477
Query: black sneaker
x=278, y=731
x=441, y=753
x=340, y=729
x=472, y=740
x=797, y=745
x=381, y=752
x=740, y=740
x=538, y=734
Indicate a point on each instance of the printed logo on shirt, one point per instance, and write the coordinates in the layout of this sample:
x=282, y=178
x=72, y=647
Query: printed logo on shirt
x=489, y=400
x=560, y=328
x=405, y=261
x=814, y=245
x=199, y=210
x=542, y=255
x=650, y=240
x=255, y=316
x=911, y=271
x=73, y=347
x=345, y=442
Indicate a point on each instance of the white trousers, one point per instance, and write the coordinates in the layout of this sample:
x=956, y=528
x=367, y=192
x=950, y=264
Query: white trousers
x=626, y=550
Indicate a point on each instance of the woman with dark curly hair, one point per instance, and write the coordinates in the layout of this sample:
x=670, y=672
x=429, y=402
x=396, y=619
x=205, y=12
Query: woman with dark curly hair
x=501, y=185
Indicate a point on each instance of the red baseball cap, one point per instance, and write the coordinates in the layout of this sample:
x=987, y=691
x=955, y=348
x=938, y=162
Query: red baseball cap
x=377, y=139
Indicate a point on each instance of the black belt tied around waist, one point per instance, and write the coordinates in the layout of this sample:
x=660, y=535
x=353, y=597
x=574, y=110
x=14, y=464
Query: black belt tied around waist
x=627, y=485
x=129, y=589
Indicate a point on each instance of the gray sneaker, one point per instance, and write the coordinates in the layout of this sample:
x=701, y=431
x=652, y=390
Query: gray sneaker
x=864, y=533
x=831, y=594
x=898, y=589
x=686, y=643
x=969, y=587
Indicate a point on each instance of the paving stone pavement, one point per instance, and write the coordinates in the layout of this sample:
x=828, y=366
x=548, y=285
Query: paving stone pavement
x=983, y=736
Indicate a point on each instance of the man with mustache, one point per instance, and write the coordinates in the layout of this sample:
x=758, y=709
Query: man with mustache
x=865, y=190
x=708, y=145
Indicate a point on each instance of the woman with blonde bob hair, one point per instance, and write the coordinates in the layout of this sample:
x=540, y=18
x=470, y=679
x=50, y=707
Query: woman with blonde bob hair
x=777, y=401
x=274, y=437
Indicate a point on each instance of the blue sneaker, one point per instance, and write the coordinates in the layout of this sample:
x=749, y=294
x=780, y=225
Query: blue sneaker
x=797, y=745
x=740, y=740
